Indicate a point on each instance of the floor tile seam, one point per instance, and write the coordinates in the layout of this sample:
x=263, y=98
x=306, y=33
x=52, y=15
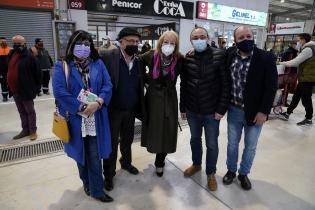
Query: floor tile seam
x=203, y=187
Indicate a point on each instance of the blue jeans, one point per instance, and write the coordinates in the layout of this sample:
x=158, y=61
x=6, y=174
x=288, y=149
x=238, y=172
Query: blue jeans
x=211, y=126
x=91, y=172
x=236, y=124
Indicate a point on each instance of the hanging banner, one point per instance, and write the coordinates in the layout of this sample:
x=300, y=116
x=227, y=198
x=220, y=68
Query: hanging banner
x=213, y=11
x=290, y=28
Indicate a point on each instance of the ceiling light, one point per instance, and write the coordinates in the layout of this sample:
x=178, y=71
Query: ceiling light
x=287, y=19
x=282, y=1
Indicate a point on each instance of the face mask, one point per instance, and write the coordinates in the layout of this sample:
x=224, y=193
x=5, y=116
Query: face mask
x=245, y=45
x=168, y=49
x=40, y=45
x=199, y=45
x=81, y=51
x=131, y=49
x=18, y=47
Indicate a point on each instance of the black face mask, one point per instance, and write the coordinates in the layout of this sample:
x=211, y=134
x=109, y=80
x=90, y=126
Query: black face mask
x=131, y=49
x=41, y=45
x=18, y=48
x=245, y=46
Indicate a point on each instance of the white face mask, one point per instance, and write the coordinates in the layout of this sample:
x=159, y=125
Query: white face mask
x=168, y=49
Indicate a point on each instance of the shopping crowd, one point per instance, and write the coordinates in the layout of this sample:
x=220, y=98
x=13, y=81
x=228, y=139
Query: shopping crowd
x=239, y=82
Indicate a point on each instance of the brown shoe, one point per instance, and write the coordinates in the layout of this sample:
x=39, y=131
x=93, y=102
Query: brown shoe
x=21, y=135
x=192, y=170
x=33, y=136
x=212, y=183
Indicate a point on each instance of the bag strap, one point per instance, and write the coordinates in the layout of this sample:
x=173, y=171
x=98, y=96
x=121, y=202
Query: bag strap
x=66, y=72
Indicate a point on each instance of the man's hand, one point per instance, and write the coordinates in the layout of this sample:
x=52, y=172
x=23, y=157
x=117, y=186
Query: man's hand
x=91, y=108
x=218, y=116
x=260, y=118
x=183, y=116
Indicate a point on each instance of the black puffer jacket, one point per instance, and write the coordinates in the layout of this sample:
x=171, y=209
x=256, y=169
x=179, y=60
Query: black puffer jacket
x=205, y=82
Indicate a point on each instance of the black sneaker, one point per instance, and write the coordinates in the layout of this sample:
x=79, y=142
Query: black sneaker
x=305, y=122
x=5, y=99
x=245, y=183
x=109, y=184
x=228, y=177
x=284, y=116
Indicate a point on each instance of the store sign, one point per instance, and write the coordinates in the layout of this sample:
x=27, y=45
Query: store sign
x=212, y=11
x=290, y=28
x=38, y=4
x=77, y=4
x=154, y=32
x=165, y=8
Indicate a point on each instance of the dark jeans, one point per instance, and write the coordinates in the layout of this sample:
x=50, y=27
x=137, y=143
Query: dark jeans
x=303, y=91
x=91, y=172
x=45, y=80
x=27, y=114
x=160, y=160
x=4, y=87
x=121, y=125
x=211, y=126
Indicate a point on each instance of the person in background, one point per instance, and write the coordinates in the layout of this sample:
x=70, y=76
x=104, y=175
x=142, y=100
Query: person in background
x=287, y=55
x=204, y=98
x=223, y=45
x=254, y=84
x=146, y=47
x=24, y=83
x=305, y=62
x=89, y=137
x=107, y=45
x=213, y=44
x=4, y=56
x=124, y=69
x=45, y=63
x=159, y=127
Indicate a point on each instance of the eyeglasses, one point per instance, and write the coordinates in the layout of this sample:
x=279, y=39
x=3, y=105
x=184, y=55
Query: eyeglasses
x=132, y=41
x=202, y=37
x=86, y=43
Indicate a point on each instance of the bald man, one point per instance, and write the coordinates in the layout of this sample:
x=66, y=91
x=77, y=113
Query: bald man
x=254, y=83
x=24, y=83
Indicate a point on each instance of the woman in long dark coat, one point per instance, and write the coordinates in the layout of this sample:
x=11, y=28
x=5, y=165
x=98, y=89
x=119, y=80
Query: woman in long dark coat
x=159, y=127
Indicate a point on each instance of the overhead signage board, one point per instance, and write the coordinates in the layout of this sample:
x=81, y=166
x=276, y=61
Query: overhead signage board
x=38, y=4
x=165, y=8
x=289, y=28
x=155, y=31
x=213, y=11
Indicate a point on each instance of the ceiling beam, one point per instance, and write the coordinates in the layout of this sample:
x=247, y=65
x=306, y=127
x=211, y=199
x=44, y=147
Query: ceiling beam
x=296, y=3
x=302, y=17
x=291, y=11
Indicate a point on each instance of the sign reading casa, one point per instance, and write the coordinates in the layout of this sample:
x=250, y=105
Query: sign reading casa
x=166, y=8
x=212, y=11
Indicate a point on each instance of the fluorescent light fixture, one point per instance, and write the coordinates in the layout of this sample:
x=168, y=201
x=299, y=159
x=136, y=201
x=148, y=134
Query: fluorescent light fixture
x=282, y=1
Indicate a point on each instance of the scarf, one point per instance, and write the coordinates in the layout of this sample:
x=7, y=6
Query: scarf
x=167, y=69
x=83, y=67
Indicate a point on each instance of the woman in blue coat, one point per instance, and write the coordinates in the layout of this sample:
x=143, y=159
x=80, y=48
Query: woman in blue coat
x=90, y=137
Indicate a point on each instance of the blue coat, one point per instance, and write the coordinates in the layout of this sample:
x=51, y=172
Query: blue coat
x=67, y=102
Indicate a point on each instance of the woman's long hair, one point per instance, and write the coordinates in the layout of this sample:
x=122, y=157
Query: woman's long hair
x=80, y=35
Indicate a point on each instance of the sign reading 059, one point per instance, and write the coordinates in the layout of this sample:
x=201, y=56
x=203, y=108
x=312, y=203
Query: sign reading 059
x=77, y=4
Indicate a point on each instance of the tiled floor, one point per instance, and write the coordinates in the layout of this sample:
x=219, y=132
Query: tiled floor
x=282, y=175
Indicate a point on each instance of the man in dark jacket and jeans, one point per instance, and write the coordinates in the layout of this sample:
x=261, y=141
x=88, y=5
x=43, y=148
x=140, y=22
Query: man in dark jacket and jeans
x=24, y=84
x=204, y=98
x=254, y=84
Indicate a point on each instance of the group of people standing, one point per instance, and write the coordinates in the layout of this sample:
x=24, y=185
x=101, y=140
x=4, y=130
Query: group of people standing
x=241, y=81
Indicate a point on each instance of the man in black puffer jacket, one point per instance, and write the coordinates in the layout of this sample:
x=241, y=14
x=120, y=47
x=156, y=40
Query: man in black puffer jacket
x=204, y=99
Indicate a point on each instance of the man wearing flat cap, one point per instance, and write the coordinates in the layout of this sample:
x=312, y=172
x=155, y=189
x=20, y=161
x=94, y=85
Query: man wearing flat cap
x=123, y=66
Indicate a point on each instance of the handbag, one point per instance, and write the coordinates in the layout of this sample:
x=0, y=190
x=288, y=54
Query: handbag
x=60, y=124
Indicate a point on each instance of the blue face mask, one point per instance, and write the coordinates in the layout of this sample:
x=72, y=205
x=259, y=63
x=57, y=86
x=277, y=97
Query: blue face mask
x=81, y=51
x=200, y=44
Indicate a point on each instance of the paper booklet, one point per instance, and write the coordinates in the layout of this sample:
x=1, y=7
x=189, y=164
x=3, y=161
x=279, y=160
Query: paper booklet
x=86, y=97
